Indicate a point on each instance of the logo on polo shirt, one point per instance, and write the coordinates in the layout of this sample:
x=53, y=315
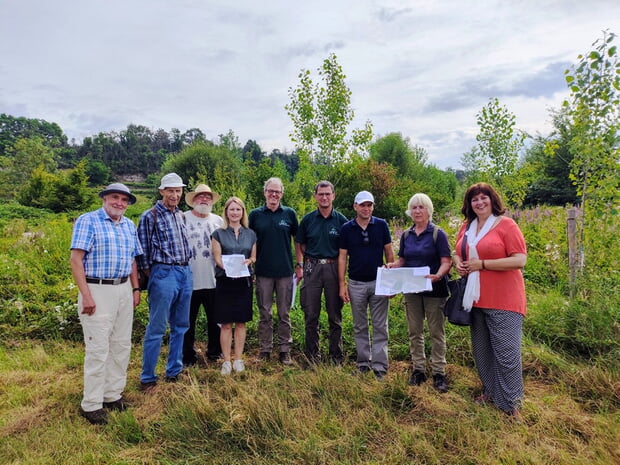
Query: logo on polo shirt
x=334, y=232
x=283, y=223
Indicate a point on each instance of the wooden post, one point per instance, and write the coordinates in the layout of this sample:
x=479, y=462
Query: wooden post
x=573, y=254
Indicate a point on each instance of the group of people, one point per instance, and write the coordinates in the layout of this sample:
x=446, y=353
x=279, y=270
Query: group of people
x=198, y=258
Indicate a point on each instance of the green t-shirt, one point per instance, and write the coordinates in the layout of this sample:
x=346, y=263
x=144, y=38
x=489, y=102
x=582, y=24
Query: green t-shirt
x=274, y=230
x=321, y=235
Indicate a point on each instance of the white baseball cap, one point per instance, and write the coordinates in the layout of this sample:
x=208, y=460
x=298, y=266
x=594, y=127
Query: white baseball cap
x=171, y=180
x=364, y=196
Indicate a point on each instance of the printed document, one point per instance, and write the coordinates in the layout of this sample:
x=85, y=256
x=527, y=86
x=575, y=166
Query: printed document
x=391, y=281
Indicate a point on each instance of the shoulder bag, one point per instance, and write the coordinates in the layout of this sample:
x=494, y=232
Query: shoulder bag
x=453, y=309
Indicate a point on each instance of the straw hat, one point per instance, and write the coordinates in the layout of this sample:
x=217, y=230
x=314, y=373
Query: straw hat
x=200, y=189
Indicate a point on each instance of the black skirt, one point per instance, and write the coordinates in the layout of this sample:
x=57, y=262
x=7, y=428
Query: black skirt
x=233, y=300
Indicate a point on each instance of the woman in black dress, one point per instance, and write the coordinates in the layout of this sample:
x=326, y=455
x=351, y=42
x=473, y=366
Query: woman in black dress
x=233, y=295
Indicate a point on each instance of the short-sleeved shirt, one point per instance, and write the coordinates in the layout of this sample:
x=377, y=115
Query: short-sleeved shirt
x=422, y=250
x=274, y=231
x=199, y=232
x=110, y=247
x=500, y=290
x=365, y=257
x=321, y=235
x=232, y=245
x=163, y=235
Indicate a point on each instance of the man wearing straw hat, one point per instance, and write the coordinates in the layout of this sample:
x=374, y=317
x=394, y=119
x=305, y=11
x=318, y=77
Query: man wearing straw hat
x=201, y=223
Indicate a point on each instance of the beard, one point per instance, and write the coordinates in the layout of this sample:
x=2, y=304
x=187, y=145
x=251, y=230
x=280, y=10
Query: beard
x=203, y=209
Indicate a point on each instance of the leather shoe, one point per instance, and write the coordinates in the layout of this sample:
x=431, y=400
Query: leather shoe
x=119, y=405
x=285, y=359
x=95, y=417
x=264, y=356
x=417, y=378
x=147, y=387
x=439, y=382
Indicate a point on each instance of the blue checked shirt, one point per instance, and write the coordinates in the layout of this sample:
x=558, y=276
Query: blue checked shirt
x=163, y=239
x=110, y=247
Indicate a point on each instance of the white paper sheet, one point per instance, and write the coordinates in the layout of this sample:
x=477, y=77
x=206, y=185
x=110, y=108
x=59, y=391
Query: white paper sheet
x=391, y=281
x=234, y=266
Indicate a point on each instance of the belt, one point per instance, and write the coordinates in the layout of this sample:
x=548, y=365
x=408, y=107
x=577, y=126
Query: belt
x=321, y=261
x=114, y=281
x=172, y=264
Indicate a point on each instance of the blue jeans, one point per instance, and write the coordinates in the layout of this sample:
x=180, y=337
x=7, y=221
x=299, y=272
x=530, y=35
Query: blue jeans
x=170, y=291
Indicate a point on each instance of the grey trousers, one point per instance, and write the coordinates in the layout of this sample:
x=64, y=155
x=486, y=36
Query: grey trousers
x=283, y=289
x=372, y=354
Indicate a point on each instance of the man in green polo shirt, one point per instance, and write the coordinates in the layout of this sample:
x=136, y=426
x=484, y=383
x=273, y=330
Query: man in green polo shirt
x=317, y=247
x=275, y=225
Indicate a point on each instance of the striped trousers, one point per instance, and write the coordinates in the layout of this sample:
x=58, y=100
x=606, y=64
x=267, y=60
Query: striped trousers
x=496, y=345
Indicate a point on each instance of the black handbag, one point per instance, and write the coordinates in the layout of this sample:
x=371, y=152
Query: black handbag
x=453, y=310
x=454, y=305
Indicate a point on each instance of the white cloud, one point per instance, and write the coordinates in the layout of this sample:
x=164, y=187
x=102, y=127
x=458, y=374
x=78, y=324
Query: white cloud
x=422, y=68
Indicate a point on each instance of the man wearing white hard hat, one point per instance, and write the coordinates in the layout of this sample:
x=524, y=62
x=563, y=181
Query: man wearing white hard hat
x=201, y=223
x=104, y=245
x=163, y=234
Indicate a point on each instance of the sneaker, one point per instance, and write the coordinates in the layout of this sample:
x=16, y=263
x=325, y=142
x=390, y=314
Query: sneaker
x=439, y=382
x=264, y=356
x=147, y=387
x=119, y=405
x=417, y=378
x=95, y=417
x=226, y=368
x=238, y=366
x=285, y=359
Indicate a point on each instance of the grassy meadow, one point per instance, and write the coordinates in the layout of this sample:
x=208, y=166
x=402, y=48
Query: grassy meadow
x=330, y=415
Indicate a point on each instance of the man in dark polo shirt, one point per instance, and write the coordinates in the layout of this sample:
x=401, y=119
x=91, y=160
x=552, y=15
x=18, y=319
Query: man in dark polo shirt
x=316, y=246
x=366, y=241
x=275, y=225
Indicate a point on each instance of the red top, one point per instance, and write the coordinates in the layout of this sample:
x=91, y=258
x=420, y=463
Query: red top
x=500, y=290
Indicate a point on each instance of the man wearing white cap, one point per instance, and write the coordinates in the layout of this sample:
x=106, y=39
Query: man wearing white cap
x=103, y=250
x=366, y=241
x=201, y=223
x=163, y=234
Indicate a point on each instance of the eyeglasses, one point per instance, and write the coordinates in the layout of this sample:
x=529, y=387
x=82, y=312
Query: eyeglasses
x=365, y=238
x=273, y=192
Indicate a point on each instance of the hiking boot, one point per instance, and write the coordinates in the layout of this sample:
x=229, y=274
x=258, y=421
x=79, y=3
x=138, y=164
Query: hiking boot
x=172, y=379
x=95, y=417
x=264, y=356
x=417, y=378
x=226, y=368
x=439, y=382
x=119, y=405
x=379, y=375
x=238, y=366
x=285, y=359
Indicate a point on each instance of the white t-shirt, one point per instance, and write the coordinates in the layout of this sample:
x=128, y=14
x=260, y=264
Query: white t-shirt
x=199, y=232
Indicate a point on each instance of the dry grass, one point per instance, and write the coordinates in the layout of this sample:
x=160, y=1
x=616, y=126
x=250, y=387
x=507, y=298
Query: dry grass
x=272, y=415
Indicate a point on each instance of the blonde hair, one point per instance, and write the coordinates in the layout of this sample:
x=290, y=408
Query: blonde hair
x=238, y=201
x=420, y=199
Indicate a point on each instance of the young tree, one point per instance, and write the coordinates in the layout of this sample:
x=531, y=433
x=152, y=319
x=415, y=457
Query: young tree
x=321, y=115
x=499, y=142
x=594, y=112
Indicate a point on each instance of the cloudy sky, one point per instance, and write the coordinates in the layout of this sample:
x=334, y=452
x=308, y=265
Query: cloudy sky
x=423, y=68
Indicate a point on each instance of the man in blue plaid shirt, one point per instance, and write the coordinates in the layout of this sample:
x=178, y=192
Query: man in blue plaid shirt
x=103, y=250
x=163, y=235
